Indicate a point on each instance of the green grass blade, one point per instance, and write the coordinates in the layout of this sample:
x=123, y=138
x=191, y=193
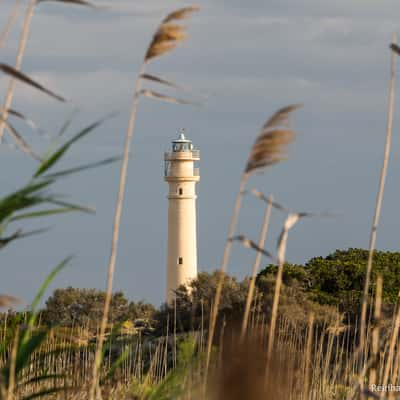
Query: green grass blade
x=40, y=295
x=4, y=241
x=72, y=206
x=27, y=348
x=114, y=367
x=83, y=167
x=44, y=213
x=24, y=353
x=54, y=157
x=28, y=196
x=67, y=122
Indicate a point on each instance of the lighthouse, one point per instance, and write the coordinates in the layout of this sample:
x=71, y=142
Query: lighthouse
x=181, y=174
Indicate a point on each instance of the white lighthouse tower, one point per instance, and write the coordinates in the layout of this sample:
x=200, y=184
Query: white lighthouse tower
x=182, y=176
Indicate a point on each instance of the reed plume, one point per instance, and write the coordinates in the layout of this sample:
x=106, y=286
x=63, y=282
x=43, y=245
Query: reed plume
x=167, y=36
x=268, y=149
x=270, y=146
x=8, y=301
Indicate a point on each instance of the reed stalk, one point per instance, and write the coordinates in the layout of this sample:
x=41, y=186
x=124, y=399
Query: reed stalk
x=115, y=236
x=393, y=340
x=378, y=204
x=290, y=221
x=395, y=372
x=256, y=265
x=22, y=45
x=376, y=329
x=165, y=39
x=307, y=360
x=268, y=149
x=224, y=265
x=10, y=22
x=13, y=363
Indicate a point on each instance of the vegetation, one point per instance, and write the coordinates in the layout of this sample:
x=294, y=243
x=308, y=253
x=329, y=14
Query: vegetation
x=328, y=329
x=338, y=278
x=79, y=307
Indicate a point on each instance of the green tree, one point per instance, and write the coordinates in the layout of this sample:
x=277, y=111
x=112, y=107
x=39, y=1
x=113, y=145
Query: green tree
x=295, y=301
x=337, y=279
x=193, y=304
x=74, y=306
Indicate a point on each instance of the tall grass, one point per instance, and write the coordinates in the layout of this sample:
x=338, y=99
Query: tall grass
x=167, y=36
x=268, y=149
x=275, y=354
x=379, y=196
x=256, y=266
x=311, y=359
x=10, y=22
x=18, y=63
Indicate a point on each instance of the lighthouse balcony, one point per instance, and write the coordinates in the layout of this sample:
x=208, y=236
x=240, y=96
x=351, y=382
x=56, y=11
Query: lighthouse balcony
x=182, y=155
x=195, y=174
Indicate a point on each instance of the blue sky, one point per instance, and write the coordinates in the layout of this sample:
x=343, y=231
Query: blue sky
x=249, y=58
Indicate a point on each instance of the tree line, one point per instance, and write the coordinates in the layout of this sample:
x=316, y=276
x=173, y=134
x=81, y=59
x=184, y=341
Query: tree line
x=324, y=285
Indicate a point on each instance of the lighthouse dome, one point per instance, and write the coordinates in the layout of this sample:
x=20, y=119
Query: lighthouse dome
x=182, y=143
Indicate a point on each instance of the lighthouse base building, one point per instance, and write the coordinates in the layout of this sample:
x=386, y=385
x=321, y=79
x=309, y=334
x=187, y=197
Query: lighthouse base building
x=181, y=174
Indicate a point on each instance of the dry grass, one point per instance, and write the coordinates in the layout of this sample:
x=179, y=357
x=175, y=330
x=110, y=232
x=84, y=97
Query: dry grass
x=310, y=360
x=276, y=355
x=268, y=149
x=166, y=38
x=379, y=196
x=10, y=22
x=8, y=301
x=18, y=63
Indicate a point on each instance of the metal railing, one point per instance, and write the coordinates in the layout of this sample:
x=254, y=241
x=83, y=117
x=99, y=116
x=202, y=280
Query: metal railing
x=167, y=173
x=195, y=154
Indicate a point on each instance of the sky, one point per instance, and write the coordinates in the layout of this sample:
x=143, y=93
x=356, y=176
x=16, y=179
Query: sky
x=248, y=59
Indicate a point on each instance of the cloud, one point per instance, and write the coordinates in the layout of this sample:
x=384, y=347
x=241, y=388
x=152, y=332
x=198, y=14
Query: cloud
x=95, y=90
x=251, y=57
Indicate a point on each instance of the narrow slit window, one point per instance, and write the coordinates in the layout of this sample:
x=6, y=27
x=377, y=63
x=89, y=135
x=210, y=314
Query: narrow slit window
x=180, y=260
x=180, y=191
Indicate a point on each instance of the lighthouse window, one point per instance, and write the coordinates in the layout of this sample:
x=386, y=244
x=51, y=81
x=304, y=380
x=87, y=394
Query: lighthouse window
x=180, y=191
x=180, y=260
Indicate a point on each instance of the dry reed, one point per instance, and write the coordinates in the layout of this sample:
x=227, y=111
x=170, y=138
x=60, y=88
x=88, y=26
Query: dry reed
x=376, y=328
x=166, y=38
x=290, y=221
x=8, y=301
x=20, y=54
x=9, y=24
x=379, y=198
x=18, y=63
x=268, y=149
x=256, y=265
x=308, y=356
